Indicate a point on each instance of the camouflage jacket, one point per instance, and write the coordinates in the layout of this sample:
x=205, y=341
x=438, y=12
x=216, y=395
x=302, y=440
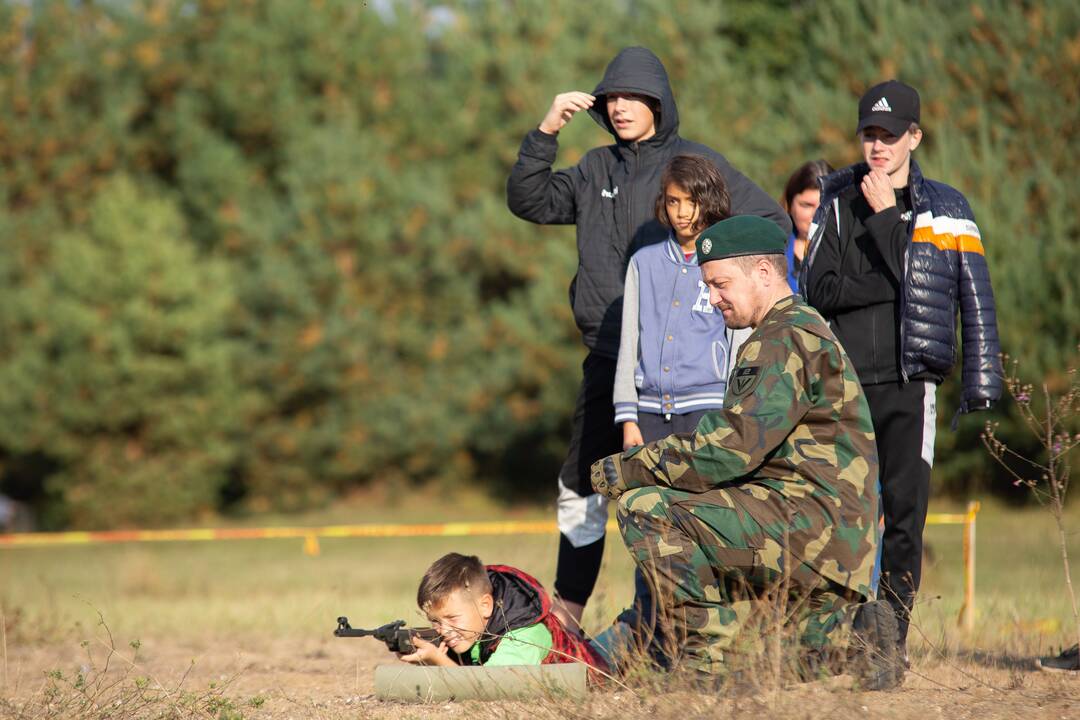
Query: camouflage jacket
x=793, y=447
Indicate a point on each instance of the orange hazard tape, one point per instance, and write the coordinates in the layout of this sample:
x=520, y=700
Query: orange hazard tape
x=516, y=527
x=331, y=531
x=311, y=537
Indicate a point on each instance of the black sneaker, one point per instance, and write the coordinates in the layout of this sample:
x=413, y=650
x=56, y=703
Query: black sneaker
x=1068, y=660
x=876, y=663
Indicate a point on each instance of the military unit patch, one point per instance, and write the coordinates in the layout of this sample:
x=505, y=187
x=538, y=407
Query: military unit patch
x=744, y=379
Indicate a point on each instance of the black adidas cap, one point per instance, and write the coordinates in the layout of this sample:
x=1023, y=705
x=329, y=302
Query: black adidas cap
x=891, y=105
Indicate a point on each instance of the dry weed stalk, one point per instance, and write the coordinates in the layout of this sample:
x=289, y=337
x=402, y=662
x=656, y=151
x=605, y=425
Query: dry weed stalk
x=3, y=642
x=762, y=661
x=1054, y=426
x=100, y=691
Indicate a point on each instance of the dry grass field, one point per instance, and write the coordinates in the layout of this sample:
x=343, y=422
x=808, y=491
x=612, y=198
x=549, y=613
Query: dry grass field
x=242, y=629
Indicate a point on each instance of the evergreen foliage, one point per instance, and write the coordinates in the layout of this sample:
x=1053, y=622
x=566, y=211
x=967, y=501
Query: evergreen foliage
x=118, y=366
x=258, y=253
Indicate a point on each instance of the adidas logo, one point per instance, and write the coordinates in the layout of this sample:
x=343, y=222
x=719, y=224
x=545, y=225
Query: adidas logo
x=881, y=105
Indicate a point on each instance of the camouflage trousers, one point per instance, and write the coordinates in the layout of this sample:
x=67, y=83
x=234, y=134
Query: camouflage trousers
x=718, y=583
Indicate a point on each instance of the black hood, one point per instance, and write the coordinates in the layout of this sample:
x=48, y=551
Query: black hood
x=517, y=604
x=520, y=601
x=638, y=70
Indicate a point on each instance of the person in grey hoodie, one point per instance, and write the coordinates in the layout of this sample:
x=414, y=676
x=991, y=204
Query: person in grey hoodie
x=609, y=196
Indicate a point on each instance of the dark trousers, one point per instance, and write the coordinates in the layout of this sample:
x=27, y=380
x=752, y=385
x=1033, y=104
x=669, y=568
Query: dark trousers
x=657, y=427
x=904, y=418
x=594, y=436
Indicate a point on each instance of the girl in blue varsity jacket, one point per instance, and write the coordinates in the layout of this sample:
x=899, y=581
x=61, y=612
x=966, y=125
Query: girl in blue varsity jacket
x=675, y=353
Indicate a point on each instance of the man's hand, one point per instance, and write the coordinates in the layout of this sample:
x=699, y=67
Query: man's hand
x=607, y=477
x=429, y=654
x=631, y=435
x=563, y=108
x=878, y=190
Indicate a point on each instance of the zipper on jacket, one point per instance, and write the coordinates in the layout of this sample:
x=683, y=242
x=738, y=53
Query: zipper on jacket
x=907, y=273
x=630, y=200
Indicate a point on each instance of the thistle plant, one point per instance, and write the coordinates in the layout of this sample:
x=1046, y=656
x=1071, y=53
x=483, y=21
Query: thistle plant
x=1052, y=414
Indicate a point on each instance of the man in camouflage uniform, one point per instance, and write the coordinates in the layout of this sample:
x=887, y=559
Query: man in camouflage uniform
x=779, y=489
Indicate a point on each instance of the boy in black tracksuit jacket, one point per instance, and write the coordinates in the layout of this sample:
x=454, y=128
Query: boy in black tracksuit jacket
x=892, y=257
x=609, y=196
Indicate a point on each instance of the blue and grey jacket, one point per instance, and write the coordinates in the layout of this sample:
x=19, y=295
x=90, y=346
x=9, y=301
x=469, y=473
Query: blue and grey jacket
x=941, y=269
x=675, y=353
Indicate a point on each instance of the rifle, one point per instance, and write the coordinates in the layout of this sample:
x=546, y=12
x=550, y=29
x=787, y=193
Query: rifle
x=397, y=637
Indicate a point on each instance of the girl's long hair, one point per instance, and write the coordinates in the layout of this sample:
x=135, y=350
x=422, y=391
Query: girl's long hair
x=702, y=181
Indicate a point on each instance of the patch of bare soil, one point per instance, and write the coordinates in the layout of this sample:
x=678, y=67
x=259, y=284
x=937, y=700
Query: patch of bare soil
x=333, y=678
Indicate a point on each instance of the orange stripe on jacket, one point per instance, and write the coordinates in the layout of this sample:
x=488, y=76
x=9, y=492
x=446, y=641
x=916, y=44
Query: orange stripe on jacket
x=948, y=241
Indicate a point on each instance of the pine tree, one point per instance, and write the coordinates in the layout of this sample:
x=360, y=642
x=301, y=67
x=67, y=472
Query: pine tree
x=322, y=186
x=118, y=368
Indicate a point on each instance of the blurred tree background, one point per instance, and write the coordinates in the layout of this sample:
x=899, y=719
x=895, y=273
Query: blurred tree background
x=256, y=252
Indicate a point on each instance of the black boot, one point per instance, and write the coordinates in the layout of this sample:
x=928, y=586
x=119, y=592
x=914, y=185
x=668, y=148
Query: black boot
x=876, y=662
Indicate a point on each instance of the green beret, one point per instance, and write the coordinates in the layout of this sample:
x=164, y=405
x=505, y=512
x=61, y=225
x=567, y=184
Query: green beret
x=740, y=235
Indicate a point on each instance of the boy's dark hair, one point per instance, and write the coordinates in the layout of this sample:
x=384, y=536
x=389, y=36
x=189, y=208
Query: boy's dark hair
x=805, y=177
x=702, y=181
x=451, y=572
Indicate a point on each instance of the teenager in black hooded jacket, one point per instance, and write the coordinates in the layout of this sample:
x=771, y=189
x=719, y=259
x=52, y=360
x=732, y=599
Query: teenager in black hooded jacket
x=609, y=196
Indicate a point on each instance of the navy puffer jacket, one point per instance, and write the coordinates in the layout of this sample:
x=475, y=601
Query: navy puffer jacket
x=944, y=271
